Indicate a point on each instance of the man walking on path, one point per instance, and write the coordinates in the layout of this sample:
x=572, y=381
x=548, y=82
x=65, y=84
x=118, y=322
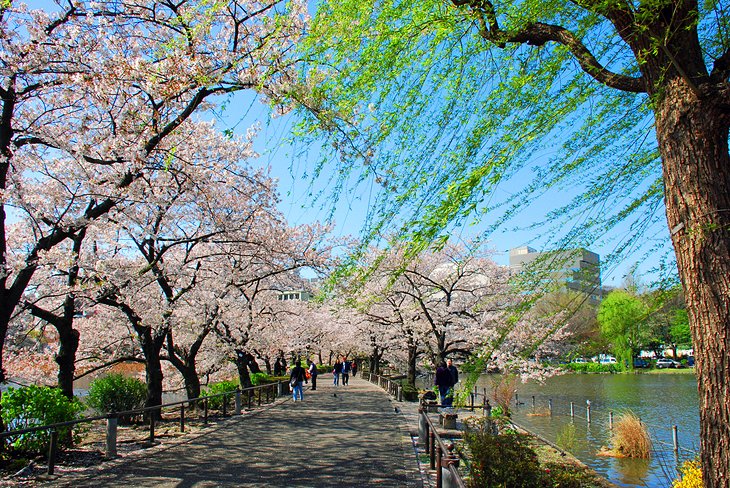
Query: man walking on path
x=346, y=365
x=454, y=380
x=313, y=374
x=444, y=381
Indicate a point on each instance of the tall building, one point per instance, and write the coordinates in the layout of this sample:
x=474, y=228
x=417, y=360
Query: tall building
x=577, y=269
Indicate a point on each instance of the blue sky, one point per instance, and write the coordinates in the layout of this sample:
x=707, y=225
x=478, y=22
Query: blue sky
x=292, y=167
x=292, y=170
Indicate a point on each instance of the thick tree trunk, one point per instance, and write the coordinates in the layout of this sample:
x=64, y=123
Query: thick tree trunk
x=68, y=339
x=412, y=361
x=693, y=140
x=151, y=347
x=244, y=377
x=192, y=382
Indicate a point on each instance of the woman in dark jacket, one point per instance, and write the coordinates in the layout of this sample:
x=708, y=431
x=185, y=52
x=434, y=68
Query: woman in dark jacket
x=444, y=381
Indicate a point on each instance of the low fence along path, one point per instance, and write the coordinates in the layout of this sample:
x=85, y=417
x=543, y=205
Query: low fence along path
x=337, y=437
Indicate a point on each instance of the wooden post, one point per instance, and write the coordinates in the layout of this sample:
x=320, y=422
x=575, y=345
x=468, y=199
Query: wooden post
x=588, y=411
x=610, y=420
x=182, y=417
x=432, y=449
x=550, y=405
x=517, y=399
x=52, y=451
x=572, y=410
x=152, y=426
x=205, y=411
x=111, y=436
x=225, y=403
x=238, y=401
x=533, y=402
x=439, y=471
x=675, y=439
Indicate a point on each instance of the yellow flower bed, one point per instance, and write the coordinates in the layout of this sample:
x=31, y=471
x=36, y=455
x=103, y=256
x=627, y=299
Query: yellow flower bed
x=690, y=476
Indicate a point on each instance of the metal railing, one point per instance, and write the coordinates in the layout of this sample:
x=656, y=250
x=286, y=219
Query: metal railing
x=440, y=454
x=393, y=388
x=253, y=395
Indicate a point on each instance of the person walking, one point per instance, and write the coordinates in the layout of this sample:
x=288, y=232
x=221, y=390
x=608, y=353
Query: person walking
x=346, y=367
x=337, y=371
x=354, y=368
x=454, y=380
x=296, y=380
x=444, y=381
x=313, y=374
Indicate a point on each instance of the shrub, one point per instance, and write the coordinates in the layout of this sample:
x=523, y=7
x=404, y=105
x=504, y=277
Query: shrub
x=566, y=437
x=567, y=476
x=219, y=387
x=690, y=475
x=259, y=379
x=594, y=368
x=503, y=390
x=630, y=437
x=501, y=460
x=117, y=393
x=410, y=393
x=33, y=406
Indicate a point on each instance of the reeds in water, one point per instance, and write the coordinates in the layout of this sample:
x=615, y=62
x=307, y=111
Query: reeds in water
x=630, y=437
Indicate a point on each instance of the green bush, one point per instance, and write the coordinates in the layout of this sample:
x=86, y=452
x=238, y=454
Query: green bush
x=566, y=476
x=219, y=387
x=260, y=379
x=410, y=392
x=117, y=393
x=33, y=406
x=504, y=460
x=594, y=368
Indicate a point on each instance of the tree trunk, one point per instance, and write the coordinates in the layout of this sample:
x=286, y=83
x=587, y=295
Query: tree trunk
x=241, y=364
x=192, y=382
x=151, y=346
x=68, y=339
x=253, y=366
x=412, y=360
x=693, y=140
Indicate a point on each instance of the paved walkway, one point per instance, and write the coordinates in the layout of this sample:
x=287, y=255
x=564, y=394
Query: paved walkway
x=347, y=436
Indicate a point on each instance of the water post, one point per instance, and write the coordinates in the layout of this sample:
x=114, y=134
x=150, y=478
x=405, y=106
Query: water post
x=550, y=406
x=610, y=420
x=588, y=411
x=572, y=409
x=675, y=439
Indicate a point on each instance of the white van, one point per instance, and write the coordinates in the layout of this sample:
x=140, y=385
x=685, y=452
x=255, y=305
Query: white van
x=604, y=359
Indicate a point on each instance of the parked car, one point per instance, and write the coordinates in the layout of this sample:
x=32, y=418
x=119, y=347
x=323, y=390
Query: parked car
x=690, y=361
x=607, y=360
x=667, y=363
x=579, y=360
x=640, y=363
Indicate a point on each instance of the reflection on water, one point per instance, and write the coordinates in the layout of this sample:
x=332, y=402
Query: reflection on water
x=661, y=401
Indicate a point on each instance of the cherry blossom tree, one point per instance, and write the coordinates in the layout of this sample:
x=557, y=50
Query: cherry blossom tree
x=259, y=272
x=90, y=92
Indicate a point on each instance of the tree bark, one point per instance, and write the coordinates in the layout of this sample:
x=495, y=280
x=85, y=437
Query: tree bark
x=412, y=361
x=693, y=140
x=244, y=378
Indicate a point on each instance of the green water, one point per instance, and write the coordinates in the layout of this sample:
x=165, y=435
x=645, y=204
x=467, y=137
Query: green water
x=661, y=401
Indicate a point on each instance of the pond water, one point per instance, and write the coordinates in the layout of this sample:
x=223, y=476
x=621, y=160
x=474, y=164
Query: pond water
x=659, y=400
